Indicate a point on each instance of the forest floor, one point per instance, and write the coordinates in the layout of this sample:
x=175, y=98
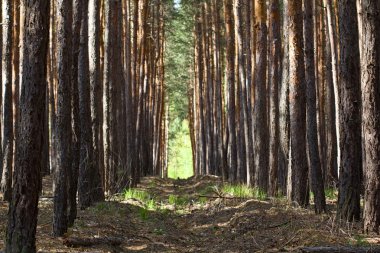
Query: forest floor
x=192, y=215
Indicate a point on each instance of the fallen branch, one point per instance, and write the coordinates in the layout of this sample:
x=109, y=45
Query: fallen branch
x=220, y=197
x=278, y=225
x=76, y=242
x=337, y=249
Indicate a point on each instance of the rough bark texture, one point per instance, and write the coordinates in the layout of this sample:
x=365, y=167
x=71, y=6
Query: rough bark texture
x=260, y=114
x=331, y=27
x=63, y=141
x=7, y=158
x=86, y=147
x=275, y=63
x=72, y=182
x=317, y=184
x=95, y=95
x=284, y=106
x=350, y=175
x=297, y=102
x=243, y=135
x=371, y=112
x=23, y=211
x=230, y=68
x=331, y=173
x=107, y=81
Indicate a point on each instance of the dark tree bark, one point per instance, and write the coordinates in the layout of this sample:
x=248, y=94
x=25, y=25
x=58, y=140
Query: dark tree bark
x=7, y=158
x=23, y=211
x=260, y=114
x=109, y=39
x=334, y=161
x=86, y=168
x=95, y=95
x=230, y=68
x=350, y=172
x=72, y=182
x=331, y=174
x=371, y=112
x=317, y=183
x=260, y=109
x=1, y=90
x=297, y=102
x=275, y=63
x=63, y=141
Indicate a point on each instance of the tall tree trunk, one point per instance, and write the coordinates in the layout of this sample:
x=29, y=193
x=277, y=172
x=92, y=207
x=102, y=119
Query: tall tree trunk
x=23, y=211
x=297, y=101
x=95, y=96
x=230, y=70
x=72, y=182
x=109, y=39
x=284, y=107
x=88, y=172
x=331, y=27
x=7, y=158
x=317, y=184
x=260, y=108
x=331, y=174
x=128, y=89
x=63, y=141
x=275, y=58
x=350, y=173
x=371, y=112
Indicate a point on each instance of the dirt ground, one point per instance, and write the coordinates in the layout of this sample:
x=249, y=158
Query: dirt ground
x=192, y=216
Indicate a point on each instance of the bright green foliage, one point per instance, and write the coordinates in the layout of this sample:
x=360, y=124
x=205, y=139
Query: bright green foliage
x=180, y=153
x=178, y=62
x=243, y=191
x=331, y=193
x=137, y=194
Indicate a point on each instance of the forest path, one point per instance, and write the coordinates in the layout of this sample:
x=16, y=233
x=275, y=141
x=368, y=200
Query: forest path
x=192, y=215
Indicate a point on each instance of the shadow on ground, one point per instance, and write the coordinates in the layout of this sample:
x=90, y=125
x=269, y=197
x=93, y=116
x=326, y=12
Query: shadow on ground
x=192, y=216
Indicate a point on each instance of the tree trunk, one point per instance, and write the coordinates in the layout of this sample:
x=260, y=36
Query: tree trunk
x=63, y=141
x=331, y=27
x=284, y=106
x=260, y=107
x=297, y=101
x=371, y=112
x=72, y=182
x=230, y=70
x=23, y=211
x=317, y=184
x=331, y=174
x=95, y=96
x=350, y=173
x=7, y=158
x=275, y=58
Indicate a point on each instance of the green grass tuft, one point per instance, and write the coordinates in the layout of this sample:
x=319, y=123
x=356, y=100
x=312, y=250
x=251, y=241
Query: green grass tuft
x=243, y=191
x=178, y=201
x=331, y=193
x=137, y=194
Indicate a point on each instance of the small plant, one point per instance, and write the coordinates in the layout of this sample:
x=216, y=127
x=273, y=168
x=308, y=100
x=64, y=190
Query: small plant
x=105, y=208
x=208, y=190
x=144, y=214
x=151, y=204
x=239, y=191
x=260, y=194
x=331, y=193
x=158, y=231
x=136, y=194
x=243, y=191
x=360, y=241
x=177, y=200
